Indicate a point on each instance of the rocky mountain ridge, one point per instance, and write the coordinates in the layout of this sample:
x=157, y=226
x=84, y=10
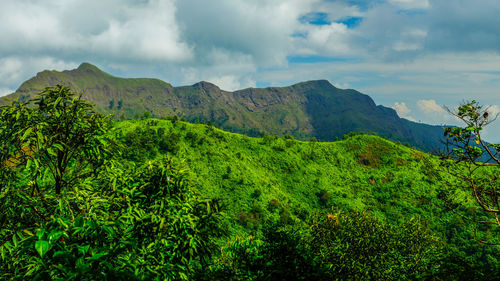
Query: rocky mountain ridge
x=304, y=110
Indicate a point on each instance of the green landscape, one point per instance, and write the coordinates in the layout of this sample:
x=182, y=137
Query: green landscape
x=86, y=196
x=243, y=140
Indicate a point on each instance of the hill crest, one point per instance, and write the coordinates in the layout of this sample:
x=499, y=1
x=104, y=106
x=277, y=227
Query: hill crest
x=304, y=110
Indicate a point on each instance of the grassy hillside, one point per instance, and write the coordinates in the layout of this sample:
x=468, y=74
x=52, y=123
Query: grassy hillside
x=362, y=171
x=271, y=178
x=304, y=110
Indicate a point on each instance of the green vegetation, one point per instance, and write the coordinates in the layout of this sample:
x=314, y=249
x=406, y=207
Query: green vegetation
x=353, y=246
x=122, y=221
x=163, y=199
x=271, y=179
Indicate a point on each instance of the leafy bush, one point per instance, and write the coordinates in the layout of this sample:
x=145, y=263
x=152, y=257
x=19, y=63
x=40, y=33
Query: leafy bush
x=352, y=246
x=145, y=143
x=357, y=246
x=280, y=255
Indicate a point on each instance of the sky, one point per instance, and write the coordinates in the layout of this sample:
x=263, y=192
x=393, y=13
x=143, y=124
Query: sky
x=412, y=55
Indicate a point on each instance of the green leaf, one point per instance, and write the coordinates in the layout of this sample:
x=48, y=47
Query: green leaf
x=29, y=163
x=58, y=146
x=8, y=246
x=58, y=100
x=40, y=136
x=26, y=133
x=59, y=253
x=50, y=151
x=2, y=252
x=42, y=247
x=83, y=249
x=97, y=256
x=78, y=222
x=55, y=235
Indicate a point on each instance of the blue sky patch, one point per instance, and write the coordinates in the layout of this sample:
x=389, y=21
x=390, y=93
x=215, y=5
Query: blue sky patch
x=316, y=19
x=322, y=19
x=351, y=22
x=299, y=35
x=263, y=84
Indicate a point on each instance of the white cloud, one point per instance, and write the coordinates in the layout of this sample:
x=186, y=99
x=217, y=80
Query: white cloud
x=490, y=132
x=149, y=32
x=401, y=109
x=228, y=70
x=260, y=29
x=61, y=34
x=341, y=85
x=5, y=91
x=111, y=29
x=17, y=69
x=404, y=46
x=231, y=83
x=409, y=118
x=430, y=106
x=337, y=10
x=327, y=40
x=11, y=69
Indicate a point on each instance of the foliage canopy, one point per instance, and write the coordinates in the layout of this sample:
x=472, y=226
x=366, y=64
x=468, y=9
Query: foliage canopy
x=57, y=135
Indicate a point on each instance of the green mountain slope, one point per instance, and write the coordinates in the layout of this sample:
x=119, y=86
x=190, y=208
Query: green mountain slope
x=283, y=179
x=304, y=110
x=359, y=172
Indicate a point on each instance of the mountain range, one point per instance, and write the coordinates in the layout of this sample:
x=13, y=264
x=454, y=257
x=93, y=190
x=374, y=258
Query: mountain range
x=312, y=109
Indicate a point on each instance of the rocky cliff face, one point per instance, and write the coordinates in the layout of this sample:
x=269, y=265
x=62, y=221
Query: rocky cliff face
x=304, y=110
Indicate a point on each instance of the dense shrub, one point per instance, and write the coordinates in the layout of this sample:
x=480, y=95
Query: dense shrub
x=351, y=246
x=357, y=246
x=280, y=255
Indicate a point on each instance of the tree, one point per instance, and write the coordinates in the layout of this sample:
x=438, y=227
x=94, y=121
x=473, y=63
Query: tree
x=57, y=135
x=475, y=163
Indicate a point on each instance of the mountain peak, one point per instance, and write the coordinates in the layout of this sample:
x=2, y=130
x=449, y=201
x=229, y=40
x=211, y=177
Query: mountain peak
x=323, y=83
x=206, y=85
x=90, y=69
x=87, y=69
x=88, y=66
